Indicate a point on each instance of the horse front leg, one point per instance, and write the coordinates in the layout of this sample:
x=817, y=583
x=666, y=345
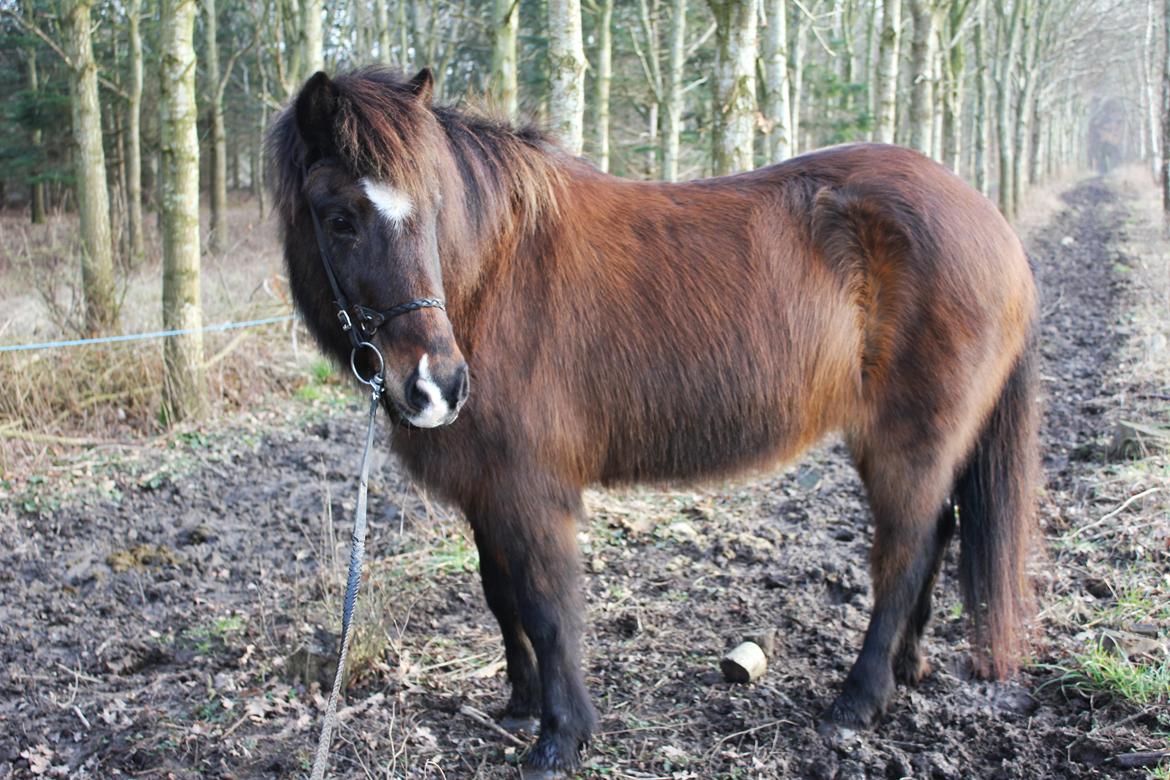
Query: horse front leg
x=523, y=711
x=535, y=548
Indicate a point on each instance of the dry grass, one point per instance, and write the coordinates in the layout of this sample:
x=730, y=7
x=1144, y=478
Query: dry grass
x=56, y=400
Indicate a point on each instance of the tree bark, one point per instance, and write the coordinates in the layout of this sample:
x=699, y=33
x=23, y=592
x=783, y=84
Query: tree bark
x=134, y=136
x=37, y=187
x=1009, y=40
x=93, y=202
x=887, y=71
x=382, y=15
x=778, y=88
x=735, y=84
x=602, y=82
x=796, y=71
x=674, y=90
x=314, y=46
x=922, y=76
x=1166, y=112
x=954, y=65
x=566, y=68
x=218, y=237
x=183, y=355
x=982, y=178
x=506, y=26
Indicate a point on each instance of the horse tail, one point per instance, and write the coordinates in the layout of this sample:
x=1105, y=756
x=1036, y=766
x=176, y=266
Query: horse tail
x=995, y=497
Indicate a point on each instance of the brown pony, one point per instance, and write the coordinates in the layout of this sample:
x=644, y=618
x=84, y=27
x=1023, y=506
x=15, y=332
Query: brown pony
x=621, y=331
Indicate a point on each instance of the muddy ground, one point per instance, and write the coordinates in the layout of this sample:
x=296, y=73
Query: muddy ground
x=167, y=611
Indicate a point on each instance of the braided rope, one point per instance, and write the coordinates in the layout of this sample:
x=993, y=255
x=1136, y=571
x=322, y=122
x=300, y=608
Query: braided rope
x=357, y=552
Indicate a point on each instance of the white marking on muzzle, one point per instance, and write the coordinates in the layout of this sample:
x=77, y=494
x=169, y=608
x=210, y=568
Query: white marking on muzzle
x=436, y=412
x=393, y=204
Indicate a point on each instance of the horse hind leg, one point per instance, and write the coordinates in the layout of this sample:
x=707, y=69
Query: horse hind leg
x=907, y=488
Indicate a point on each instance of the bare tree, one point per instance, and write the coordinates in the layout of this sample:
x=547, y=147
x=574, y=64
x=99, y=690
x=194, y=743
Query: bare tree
x=97, y=264
x=505, y=28
x=734, y=102
x=672, y=116
x=779, y=91
x=887, y=71
x=922, y=51
x=182, y=354
x=134, y=134
x=604, y=13
x=566, y=65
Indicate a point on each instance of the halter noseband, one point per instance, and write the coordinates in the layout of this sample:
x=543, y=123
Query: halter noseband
x=368, y=320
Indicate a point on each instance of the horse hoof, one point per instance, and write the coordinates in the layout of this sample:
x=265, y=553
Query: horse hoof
x=848, y=713
x=521, y=725
x=531, y=773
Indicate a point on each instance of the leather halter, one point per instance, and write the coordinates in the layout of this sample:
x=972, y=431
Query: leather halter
x=368, y=320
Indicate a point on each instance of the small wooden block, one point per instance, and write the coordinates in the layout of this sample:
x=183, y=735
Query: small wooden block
x=746, y=663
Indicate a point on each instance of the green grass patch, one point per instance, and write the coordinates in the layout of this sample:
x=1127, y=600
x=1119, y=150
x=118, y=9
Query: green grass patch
x=1101, y=672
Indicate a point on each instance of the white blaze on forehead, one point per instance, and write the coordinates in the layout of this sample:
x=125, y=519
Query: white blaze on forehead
x=393, y=204
x=436, y=412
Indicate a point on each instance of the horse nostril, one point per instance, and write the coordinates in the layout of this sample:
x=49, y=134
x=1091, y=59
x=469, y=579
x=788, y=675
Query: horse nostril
x=464, y=386
x=416, y=396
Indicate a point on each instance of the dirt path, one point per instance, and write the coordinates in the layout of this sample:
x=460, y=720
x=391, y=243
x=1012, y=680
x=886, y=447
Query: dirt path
x=148, y=620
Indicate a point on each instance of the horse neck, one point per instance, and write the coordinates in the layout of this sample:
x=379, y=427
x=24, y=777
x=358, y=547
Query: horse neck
x=498, y=206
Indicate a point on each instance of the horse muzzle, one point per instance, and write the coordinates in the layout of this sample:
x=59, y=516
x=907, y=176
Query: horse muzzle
x=433, y=393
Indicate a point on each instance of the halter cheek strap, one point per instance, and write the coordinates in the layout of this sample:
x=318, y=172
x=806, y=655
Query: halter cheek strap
x=368, y=320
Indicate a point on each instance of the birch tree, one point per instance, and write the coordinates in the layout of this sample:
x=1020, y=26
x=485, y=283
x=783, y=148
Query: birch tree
x=778, y=88
x=218, y=238
x=980, y=140
x=506, y=26
x=734, y=103
x=134, y=134
x=183, y=354
x=672, y=116
x=1008, y=41
x=887, y=71
x=604, y=15
x=1166, y=111
x=93, y=203
x=922, y=76
x=566, y=73
x=311, y=35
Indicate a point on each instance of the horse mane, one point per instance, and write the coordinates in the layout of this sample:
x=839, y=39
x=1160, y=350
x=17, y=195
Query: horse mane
x=383, y=131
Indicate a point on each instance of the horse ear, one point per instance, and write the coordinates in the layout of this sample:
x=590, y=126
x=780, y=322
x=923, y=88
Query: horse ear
x=316, y=106
x=423, y=86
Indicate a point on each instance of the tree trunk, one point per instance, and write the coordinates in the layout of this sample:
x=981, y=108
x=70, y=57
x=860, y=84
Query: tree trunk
x=134, y=136
x=796, y=72
x=218, y=237
x=314, y=46
x=93, y=202
x=735, y=84
x=1006, y=66
x=505, y=28
x=954, y=65
x=887, y=71
x=566, y=68
x=674, y=90
x=1166, y=112
x=383, y=18
x=602, y=82
x=778, y=88
x=922, y=76
x=37, y=187
x=979, y=120
x=1149, y=75
x=179, y=142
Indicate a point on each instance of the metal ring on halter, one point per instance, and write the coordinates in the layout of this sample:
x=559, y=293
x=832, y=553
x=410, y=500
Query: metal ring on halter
x=377, y=377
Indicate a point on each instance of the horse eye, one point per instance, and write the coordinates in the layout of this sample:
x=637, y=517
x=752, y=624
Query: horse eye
x=340, y=225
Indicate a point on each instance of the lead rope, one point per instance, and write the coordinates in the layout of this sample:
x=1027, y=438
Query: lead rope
x=357, y=551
